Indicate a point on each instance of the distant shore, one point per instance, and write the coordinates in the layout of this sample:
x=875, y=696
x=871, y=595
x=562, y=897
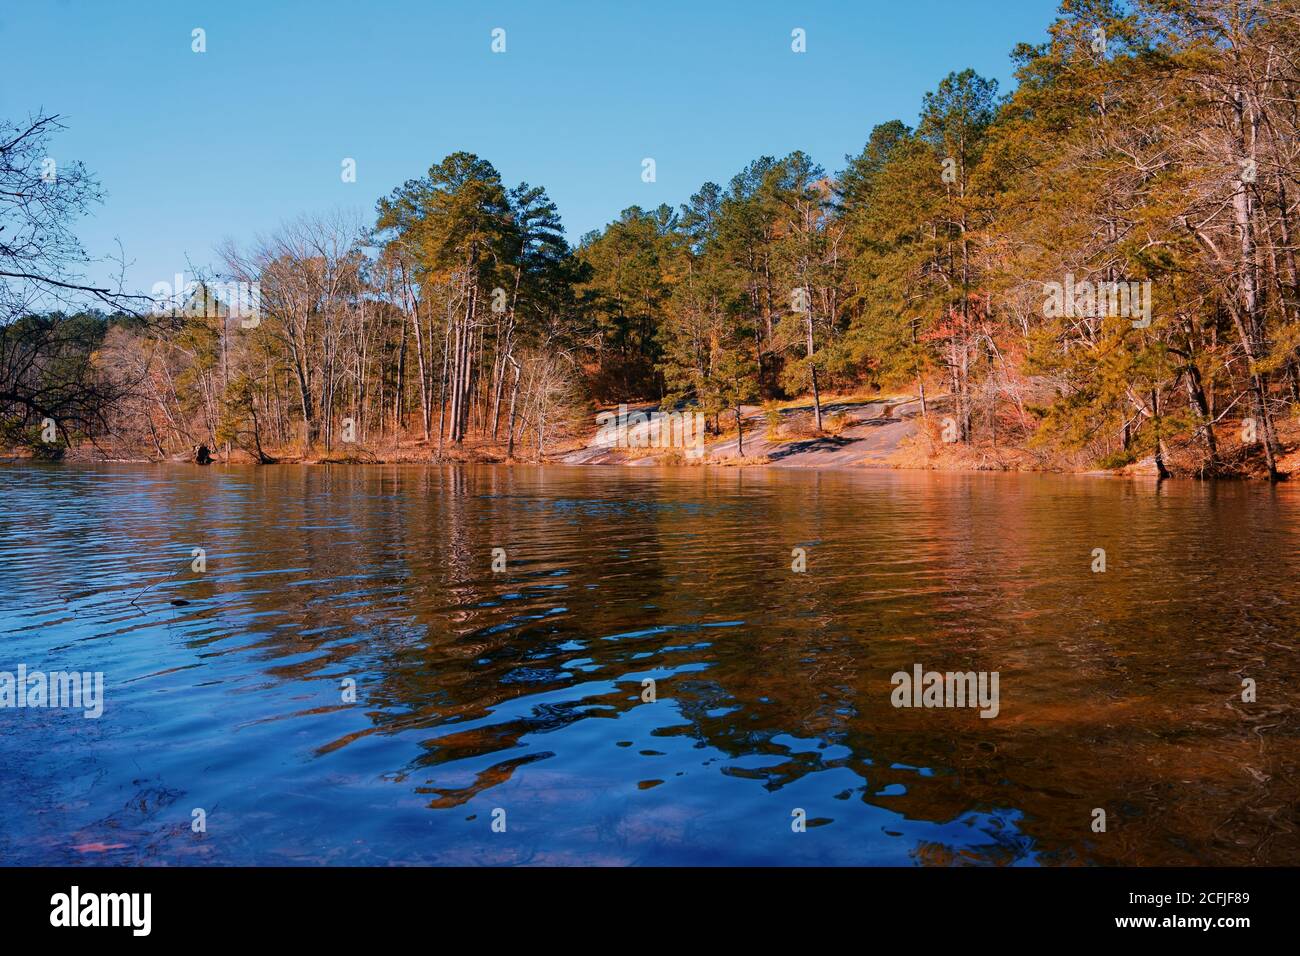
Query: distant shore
x=884, y=434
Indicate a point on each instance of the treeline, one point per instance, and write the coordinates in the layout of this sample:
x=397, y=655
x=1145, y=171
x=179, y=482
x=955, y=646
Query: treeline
x=1150, y=148
x=451, y=317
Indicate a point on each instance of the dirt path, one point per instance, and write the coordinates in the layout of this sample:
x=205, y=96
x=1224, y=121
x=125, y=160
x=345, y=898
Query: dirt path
x=875, y=432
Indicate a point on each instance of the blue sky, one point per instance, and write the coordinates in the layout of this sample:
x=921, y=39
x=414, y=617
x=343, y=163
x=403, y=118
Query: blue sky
x=194, y=148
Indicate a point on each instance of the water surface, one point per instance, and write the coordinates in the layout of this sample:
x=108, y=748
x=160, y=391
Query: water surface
x=522, y=691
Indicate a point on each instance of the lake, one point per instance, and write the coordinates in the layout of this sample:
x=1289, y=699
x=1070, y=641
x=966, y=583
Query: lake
x=644, y=679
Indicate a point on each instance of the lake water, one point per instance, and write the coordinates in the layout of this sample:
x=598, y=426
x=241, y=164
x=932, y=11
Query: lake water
x=517, y=696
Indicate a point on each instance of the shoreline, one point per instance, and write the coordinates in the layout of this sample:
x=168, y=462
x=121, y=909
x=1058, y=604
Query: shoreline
x=859, y=434
x=1143, y=472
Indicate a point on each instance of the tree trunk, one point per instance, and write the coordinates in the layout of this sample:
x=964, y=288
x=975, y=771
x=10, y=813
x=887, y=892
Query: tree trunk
x=812, y=368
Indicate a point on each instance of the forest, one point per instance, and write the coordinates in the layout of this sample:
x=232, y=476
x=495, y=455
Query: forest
x=973, y=256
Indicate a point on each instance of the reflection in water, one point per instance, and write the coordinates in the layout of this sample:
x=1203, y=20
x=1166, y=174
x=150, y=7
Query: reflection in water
x=523, y=691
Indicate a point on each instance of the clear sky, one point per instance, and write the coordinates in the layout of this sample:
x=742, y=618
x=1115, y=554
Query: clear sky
x=193, y=148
